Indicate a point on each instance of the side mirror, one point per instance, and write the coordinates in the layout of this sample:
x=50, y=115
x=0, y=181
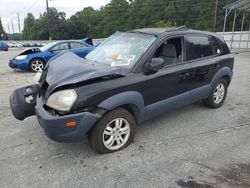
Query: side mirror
x=155, y=64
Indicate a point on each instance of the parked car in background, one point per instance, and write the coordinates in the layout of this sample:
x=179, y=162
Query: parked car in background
x=3, y=46
x=129, y=78
x=35, y=59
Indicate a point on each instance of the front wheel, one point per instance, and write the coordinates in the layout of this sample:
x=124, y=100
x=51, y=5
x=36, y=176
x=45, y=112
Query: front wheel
x=113, y=132
x=218, y=94
x=36, y=65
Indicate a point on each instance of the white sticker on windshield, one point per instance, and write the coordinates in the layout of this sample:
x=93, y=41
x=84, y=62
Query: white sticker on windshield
x=123, y=60
x=126, y=57
x=119, y=63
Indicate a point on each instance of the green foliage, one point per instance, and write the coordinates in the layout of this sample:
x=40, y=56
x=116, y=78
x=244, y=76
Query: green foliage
x=29, y=21
x=2, y=32
x=123, y=15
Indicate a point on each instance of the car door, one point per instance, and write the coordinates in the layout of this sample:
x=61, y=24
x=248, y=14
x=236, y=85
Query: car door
x=203, y=55
x=78, y=48
x=168, y=87
x=54, y=50
x=63, y=46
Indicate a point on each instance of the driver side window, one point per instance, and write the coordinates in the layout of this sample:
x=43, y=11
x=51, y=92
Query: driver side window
x=171, y=51
x=61, y=46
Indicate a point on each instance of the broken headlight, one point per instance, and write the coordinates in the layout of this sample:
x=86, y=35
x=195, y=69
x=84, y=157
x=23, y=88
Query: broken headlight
x=62, y=100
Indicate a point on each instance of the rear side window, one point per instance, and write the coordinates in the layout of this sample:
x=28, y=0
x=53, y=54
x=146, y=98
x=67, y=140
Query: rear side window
x=202, y=46
x=75, y=45
x=61, y=46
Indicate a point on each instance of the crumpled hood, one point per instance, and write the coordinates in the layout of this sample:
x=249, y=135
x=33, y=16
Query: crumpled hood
x=28, y=51
x=68, y=68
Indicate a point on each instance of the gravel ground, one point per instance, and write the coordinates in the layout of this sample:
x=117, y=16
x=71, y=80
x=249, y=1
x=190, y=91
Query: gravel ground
x=192, y=147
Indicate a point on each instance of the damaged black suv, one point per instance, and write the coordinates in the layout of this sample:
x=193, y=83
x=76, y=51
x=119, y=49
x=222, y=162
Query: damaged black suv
x=129, y=78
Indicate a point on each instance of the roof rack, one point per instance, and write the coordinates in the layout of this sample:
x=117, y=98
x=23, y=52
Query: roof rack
x=180, y=28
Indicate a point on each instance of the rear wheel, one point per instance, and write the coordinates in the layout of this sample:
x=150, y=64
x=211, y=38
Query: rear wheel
x=218, y=94
x=113, y=132
x=36, y=65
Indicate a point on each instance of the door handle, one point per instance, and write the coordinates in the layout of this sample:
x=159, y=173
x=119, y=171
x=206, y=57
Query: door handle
x=184, y=75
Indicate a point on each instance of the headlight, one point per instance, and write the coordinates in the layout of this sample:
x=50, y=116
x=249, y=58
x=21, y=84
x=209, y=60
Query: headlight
x=62, y=100
x=20, y=57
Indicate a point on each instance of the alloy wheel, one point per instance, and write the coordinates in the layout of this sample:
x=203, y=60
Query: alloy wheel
x=37, y=65
x=116, y=134
x=219, y=93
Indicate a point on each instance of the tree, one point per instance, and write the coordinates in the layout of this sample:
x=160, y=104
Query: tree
x=124, y=15
x=29, y=21
x=2, y=32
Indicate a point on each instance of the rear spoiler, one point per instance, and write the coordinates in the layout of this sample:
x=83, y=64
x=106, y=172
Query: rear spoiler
x=88, y=41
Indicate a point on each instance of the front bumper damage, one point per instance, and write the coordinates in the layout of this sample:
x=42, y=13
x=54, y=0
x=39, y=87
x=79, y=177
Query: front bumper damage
x=19, y=64
x=54, y=126
x=23, y=101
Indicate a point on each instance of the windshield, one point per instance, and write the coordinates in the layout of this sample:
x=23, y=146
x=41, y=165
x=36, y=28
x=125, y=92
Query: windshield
x=48, y=46
x=121, y=49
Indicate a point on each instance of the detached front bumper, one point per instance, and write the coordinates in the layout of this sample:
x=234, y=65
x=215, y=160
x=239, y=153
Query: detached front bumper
x=55, y=127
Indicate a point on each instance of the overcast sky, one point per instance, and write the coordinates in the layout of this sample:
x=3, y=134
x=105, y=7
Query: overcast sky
x=10, y=8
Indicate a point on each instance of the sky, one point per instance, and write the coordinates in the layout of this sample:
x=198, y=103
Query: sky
x=10, y=8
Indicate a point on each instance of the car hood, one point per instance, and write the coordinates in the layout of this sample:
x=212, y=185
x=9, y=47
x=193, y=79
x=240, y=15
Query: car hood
x=69, y=69
x=28, y=51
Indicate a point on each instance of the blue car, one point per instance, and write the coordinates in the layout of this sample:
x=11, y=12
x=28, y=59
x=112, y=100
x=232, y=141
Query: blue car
x=35, y=59
x=3, y=46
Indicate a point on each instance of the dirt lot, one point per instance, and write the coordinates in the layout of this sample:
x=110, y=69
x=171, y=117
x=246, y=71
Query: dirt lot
x=192, y=147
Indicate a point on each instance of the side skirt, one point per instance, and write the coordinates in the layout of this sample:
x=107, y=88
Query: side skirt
x=175, y=102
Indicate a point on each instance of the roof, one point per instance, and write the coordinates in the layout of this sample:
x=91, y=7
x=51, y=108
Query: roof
x=158, y=31
x=241, y=5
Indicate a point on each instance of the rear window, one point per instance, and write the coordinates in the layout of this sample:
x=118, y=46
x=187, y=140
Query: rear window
x=202, y=46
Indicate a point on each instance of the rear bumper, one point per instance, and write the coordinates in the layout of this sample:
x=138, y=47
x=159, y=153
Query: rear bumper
x=54, y=126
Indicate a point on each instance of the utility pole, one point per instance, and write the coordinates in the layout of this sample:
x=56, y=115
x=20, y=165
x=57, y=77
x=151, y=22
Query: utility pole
x=9, y=31
x=49, y=29
x=13, y=31
x=19, y=27
x=215, y=14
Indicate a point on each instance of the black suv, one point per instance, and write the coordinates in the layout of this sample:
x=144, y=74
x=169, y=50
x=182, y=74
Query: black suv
x=129, y=78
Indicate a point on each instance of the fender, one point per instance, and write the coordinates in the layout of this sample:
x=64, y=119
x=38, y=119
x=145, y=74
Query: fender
x=225, y=71
x=204, y=91
x=126, y=98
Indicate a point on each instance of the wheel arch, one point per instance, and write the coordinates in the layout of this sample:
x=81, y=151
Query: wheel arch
x=227, y=78
x=224, y=72
x=132, y=101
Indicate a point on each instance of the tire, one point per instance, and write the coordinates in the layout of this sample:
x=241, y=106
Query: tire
x=36, y=65
x=217, y=95
x=105, y=135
